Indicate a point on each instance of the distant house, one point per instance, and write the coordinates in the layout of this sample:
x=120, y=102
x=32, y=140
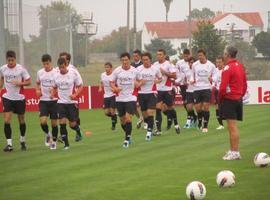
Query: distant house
x=244, y=25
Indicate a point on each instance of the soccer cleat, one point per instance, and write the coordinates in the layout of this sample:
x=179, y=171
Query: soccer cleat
x=78, y=137
x=187, y=126
x=66, y=147
x=177, y=129
x=145, y=126
x=220, y=127
x=23, y=146
x=148, y=136
x=139, y=123
x=126, y=144
x=230, y=155
x=8, y=148
x=53, y=146
x=205, y=130
x=157, y=133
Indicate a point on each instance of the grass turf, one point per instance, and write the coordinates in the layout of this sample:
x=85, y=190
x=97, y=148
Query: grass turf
x=99, y=168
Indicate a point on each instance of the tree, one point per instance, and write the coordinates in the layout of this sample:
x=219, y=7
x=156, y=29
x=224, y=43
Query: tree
x=246, y=52
x=157, y=44
x=262, y=42
x=115, y=42
x=203, y=14
x=56, y=14
x=207, y=38
x=167, y=4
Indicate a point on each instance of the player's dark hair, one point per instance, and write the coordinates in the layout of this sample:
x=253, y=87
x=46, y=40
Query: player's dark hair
x=202, y=51
x=11, y=54
x=167, y=58
x=220, y=58
x=191, y=59
x=186, y=52
x=66, y=54
x=61, y=61
x=108, y=64
x=137, y=51
x=231, y=51
x=125, y=54
x=163, y=51
x=147, y=54
x=46, y=58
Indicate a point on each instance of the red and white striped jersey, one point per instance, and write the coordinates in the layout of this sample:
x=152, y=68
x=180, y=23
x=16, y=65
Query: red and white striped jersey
x=17, y=73
x=149, y=76
x=125, y=80
x=166, y=83
x=47, y=82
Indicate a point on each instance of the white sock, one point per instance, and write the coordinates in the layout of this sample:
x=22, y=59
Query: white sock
x=9, y=142
x=148, y=134
x=22, y=138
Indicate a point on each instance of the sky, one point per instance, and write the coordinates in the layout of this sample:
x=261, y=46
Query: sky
x=111, y=14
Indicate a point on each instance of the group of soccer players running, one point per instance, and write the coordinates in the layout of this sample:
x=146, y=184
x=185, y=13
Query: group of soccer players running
x=58, y=90
x=142, y=87
x=149, y=87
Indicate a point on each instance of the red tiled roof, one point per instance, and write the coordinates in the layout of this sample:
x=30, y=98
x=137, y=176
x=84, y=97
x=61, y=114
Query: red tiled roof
x=253, y=18
x=164, y=30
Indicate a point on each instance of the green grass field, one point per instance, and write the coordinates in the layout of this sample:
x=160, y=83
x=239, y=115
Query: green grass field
x=98, y=168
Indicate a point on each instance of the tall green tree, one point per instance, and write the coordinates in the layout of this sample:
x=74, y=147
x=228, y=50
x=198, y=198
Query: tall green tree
x=157, y=44
x=167, y=4
x=55, y=15
x=262, y=42
x=206, y=37
x=115, y=42
x=203, y=14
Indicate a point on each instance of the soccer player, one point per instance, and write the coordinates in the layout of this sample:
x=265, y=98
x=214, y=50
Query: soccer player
x=14, y=77
x=183, y=67
x=164, y=88
x=137, y=61
x=203, y=70
x=47, y=104
x=68, y=86
x=125, y=80
x=109, y=96
x=191, y=118
x=216, y=84
x=148, y=91
x=67, y=57
x=232, y=89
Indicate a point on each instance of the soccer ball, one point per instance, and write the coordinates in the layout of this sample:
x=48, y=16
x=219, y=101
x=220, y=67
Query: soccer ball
x=196, y=190
x=262, y=160
x=225, y=179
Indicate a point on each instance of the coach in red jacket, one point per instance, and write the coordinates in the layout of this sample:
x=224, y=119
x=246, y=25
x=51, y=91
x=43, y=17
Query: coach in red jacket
x=232, y=88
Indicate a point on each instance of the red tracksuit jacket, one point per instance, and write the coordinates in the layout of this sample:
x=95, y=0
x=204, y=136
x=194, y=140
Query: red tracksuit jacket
x=233, y=81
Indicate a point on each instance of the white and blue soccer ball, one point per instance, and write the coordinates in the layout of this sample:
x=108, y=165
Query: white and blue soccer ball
x=225, y=178
x=196, y=190
x=262, y=160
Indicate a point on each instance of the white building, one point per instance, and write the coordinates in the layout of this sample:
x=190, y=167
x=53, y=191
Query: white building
x=244, y=25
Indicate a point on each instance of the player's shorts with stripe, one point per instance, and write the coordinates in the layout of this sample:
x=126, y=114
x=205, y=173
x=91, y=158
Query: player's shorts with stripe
x=48, y=108
x=15, y=106
x=109, y=102
x=126, y=107
x=189, y=98
x=231, y=109
x=166, y=97
x=202, y=96
x=69, y=111
x=147, y=101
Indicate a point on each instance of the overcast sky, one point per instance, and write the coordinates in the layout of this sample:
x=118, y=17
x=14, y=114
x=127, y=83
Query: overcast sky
x=110, y=14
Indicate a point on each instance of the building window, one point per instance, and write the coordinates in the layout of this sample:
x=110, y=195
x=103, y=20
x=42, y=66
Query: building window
x=252, y=32
x=184, y=45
